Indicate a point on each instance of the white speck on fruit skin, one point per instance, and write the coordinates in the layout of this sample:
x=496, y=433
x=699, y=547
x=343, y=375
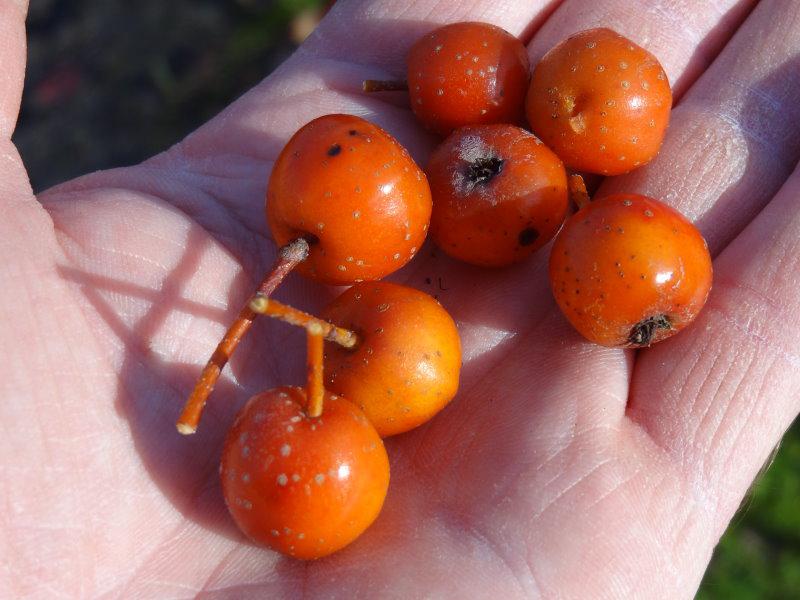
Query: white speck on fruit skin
x=282, y=479
x=319, y=478
x=440, y=92
x=300, y=536
x=295, y=477
x=286, y=450
x=245, y=451
x=268, y=461
x=289, y=429
x=275, y=533
x=295, y=419
x=245, y=477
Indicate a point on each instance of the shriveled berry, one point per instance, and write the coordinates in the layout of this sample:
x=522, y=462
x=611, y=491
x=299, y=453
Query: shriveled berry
x=499, y=194
x=600, y=102
x=354, y=193
x=304, y=486
x=465, y=74
x=627, y=270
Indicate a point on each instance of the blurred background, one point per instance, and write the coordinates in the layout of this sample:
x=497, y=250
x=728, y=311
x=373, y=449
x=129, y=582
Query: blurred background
x=110, y=83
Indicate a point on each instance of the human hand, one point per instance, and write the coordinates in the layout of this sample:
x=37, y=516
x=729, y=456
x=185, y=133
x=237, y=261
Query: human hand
x=561, y=469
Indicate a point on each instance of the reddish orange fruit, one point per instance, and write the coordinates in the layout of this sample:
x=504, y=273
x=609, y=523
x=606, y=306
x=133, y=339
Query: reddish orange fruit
x=499, y=194
x=354, y=193
x=304, y=486
x=406, y=364
x=600, y=102
x=465, y=74
x=628, y=270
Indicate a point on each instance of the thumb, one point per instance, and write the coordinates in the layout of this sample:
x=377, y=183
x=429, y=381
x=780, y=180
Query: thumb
x=12, y=62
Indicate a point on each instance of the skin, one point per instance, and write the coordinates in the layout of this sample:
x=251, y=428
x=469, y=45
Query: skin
x=499, y=194
x=601, y=102
x=467, y=74
x=627, y=261
x=563, y=469
x=305, y=486
x=405, y=367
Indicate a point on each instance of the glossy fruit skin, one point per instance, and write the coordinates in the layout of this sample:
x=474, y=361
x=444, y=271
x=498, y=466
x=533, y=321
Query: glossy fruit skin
x=499, y=194
x=354, y=193
x=466, y=74
x=303, y=486
x=406, y=365
x=600, y=102
x=624, y=259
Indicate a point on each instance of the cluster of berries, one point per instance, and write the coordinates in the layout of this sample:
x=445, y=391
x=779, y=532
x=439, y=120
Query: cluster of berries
x=304, y=470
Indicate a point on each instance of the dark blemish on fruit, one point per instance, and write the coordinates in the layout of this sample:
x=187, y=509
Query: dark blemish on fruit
x=310, y=238
x=643, y=332
x=334, y=150
x=483, y=170
x=441, y=285
x=353, y=132
x=428, y=280
x=527, y=236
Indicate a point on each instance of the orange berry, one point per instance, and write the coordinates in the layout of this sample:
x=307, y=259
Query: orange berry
x=628, y=270
x=499, y=194
x=354, y=193
x=466, y=74
x=304, y=486
x=406, y=364
x=600, y=102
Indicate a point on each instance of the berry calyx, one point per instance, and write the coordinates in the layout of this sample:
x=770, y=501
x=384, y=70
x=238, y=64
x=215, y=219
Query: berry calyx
x=354, y=193
x=629, y=271
x=600, y=102
x=499, y=194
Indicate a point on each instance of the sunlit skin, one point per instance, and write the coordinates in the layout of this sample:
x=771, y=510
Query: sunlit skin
x=406, y=365
x=466, y=74
x=499, y=194
x=354, y=193
x=627, y=270
x=304, y=486
x=600, y=102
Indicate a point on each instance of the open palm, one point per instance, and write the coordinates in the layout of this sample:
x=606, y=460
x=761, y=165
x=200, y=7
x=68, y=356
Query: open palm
x=561, y=470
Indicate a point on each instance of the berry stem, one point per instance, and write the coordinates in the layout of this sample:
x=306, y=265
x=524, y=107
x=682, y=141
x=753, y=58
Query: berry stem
x=289, y=256
x=577, y=191
x=267, y=306
x=376, y=85
x=315, y=389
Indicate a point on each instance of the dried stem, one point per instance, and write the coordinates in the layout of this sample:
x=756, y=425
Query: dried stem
x=289, y=256
x=289, y=314
x=315, y=389
x=577, y=191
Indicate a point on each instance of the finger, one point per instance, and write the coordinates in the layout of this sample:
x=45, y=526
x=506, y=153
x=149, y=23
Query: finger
x=719, y=398
x=12, y=59
x=735, y=137
x=684, y=36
